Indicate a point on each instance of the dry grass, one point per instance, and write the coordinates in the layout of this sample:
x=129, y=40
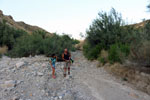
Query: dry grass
x=3, y=49
x=137, y=78
x=141, y=54
x=80, y=45
x=104, y=54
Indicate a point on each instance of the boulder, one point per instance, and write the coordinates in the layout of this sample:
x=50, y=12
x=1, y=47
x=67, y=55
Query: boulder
x=148, y=89
x=20, y=64
x=39, y=74
x=9, y=84
x=69, y=96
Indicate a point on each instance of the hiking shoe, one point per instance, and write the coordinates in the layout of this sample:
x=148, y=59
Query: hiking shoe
x=68, y=73
x=54, y=76
x=64, y=75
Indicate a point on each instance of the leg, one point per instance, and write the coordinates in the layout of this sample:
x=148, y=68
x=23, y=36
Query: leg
x=53, y=71
x=65, y=69
x=69, y=68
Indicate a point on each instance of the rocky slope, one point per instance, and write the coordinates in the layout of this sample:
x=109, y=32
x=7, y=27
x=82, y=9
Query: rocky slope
x=18, y=25
x=30, y=79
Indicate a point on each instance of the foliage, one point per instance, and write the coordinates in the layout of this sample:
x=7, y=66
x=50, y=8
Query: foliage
x=103, y=57
x=38, y=43
x=106, y=30
x=114, y=54
x=92, y=52
x=118, y=52
x=9, y=35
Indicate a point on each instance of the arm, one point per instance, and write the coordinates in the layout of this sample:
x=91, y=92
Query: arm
x=50, y=62
x=63, y=57
x=69, y=56
x=56, y=58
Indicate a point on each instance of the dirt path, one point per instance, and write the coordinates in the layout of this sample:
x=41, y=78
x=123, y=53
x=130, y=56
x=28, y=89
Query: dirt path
x=30, y=79
x=102, y=85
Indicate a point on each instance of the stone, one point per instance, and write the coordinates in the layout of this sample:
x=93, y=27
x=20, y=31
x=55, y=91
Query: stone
x=19, y=81
x=15, y=98
x=148, y=89
x=44, y=65
x=56, y=98
x=141, y=85
x=9, y=84
x=39, y=74
x=69, y=96
x=143, y=74
x=60, y=97
x=20, y=64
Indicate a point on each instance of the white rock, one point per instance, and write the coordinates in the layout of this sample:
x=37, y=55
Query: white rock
x=20, y=64
x=15, y=98
x=43, y=65
x=68, y=96
x=60, y=97
x=40, y=74
x=148, y=89
x=56, y=98
x=9, y=84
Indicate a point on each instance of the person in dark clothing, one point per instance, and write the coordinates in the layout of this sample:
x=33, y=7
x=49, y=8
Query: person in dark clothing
x=66, y=56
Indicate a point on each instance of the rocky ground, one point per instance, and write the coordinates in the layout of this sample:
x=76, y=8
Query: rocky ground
x=30, y=79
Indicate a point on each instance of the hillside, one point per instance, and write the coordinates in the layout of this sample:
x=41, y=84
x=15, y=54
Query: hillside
x=18, y=25
x=140, y=24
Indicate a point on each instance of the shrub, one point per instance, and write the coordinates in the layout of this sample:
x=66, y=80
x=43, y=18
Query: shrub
x=114, y=54
x=103, y=57
x=38, y=43
x=92, y=52
x=118, y=52
x=9, y=35
x=141, y=53
x=107, y=30
x=3, y=50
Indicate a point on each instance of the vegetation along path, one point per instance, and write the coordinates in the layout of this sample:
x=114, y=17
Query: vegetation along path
x=30, y=79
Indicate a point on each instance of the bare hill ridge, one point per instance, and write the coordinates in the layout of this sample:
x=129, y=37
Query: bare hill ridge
x=140, y=24
x=18, y=25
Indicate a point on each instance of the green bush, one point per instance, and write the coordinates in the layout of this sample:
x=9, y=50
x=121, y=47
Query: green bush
x=114, y=54
x=103, y=57
x=125, y=49
x=118, y=52
x=92, y=52
x=102, y=60
x=38, y=43
x=9, y=35
x=107, y=30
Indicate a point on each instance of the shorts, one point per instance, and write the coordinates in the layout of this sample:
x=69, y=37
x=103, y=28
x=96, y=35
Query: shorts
x=53, y=65
x=67, y=64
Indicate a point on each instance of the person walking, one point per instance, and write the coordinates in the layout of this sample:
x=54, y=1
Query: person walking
x=53, y=60
x=66, y=56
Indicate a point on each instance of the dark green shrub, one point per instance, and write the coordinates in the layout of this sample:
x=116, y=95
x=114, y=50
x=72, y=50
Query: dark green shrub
x=9, y=35
x=107, y=30
x=125, y=49
x=102, y=60
x=92, y=52
x=118, y=52
x=114, y=54
x=103, y=57
x=38, y=43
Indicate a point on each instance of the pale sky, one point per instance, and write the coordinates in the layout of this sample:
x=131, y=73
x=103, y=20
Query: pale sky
x=71, y=16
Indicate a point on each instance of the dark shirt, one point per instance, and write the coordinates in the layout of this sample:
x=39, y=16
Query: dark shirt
x=66, y=56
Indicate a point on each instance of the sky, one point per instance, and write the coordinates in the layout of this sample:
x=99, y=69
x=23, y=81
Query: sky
x=71, y=16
